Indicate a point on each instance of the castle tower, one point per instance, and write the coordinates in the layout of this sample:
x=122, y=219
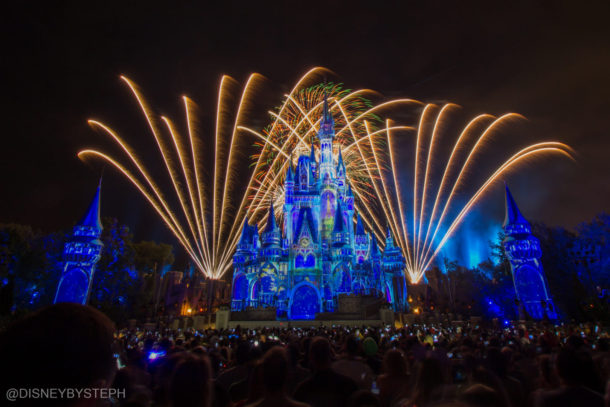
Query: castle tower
x=394, y=284
x=289, y=202
x=326, y=170
x=243, y=259
x=340, y=171
x=374, y=254
x=523, y=252
x=312, y=160
x=271, y=234
x=361, y=242
x=304, y=174
x=81, y=254
x=326, y=134
x=340, y=231
x=247, y=245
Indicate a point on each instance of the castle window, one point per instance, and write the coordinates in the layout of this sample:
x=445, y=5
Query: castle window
x=240, y=287
x=298, y=262
x=311, y=261
x=303, y=177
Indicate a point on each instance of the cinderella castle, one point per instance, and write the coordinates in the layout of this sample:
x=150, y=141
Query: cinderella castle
x=304, y=266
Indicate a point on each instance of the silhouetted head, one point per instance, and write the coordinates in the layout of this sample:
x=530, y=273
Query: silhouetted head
x=394, y=363
x=275, y=370
x=570, y=366
x=497, y=361
x=293, y=353
x=320, y=353
x=429, y=377
x=574, y=342
x=479, y=395
x=351, y=345
x=369, y=346
x=61, y=346
x=242, y=352
x=363, y=398
x=190, y=383
x=577, y=368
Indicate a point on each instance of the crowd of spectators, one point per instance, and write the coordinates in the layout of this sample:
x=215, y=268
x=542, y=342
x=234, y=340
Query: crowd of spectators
x=458, y=364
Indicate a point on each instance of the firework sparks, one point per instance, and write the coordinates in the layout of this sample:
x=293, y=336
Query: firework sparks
x=203, y=221
x=422, y=237
x=359, y=138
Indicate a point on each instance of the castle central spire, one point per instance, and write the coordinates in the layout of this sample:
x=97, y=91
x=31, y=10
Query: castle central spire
x=326, y=134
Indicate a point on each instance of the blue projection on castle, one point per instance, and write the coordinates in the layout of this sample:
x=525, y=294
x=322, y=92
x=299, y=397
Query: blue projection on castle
x=81, y=254
x=302, y=267
x=523, y=252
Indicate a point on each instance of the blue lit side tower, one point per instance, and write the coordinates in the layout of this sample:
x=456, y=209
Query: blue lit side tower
x=394, y=284
x=245, y=266
x=81, y=254
x=523, y=252
x=266, y=288
x=361, y=242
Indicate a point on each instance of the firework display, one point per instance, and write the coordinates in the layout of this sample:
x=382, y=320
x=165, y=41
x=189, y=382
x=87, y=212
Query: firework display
x=424, y=221
x=206, y=206
x=205, y=219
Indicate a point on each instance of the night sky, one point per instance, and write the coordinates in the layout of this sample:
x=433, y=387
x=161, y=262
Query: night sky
x=61, y=60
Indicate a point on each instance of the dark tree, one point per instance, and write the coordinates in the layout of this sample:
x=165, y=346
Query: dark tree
x=123, y=285
x=30, y=267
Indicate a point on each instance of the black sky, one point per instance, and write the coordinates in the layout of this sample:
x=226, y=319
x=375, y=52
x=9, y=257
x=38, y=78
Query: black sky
x=549, y=61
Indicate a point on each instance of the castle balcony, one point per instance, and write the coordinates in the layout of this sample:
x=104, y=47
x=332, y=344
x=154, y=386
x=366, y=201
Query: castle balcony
x=238, y=305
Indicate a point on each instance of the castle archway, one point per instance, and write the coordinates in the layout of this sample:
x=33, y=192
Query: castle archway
x=304, y=302
x=264, y=289
x=240, y=287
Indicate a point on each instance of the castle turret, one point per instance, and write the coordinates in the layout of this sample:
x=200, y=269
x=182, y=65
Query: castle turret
x=340, y=171
x=389, y=241
x=289, y=201
x=248, y=240
x=394, y=284
x=340, y=232
x=361, y=242
x=514, y=222
x=312, y=161
x=375, y=254
x=326, y=134
x=304, y=174
x=349, y=198
x=327, y=123
x=244, y=240
x=523, y=252
x=289, y=185
x=271, y=235
x=393, y=259
x=81, y=254
x=359, y=227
